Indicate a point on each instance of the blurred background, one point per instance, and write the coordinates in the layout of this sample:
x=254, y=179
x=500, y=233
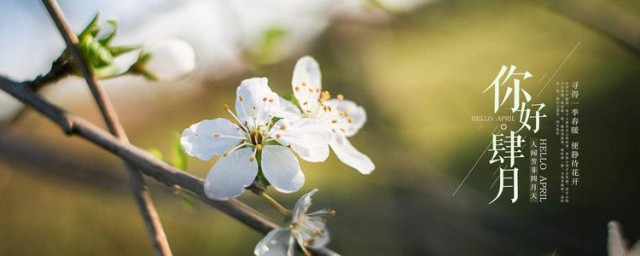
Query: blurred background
x=418, y=68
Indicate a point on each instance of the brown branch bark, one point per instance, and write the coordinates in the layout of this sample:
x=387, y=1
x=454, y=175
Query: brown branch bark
x=138, y=187
x=140, y=159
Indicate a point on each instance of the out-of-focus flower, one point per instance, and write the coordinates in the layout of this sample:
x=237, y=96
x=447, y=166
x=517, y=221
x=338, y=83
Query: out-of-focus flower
x=166, y=60
x=617, y=245
x=343, y=117
x=254, y=142
x=308, y=230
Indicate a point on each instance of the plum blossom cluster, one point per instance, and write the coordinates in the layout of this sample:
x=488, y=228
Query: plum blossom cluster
x=259, y=143
x=304, y=229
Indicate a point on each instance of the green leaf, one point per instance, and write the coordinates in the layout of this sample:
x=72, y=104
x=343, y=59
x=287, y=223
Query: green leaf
x=179, y=157
x=109, y=71
x=268, y=48
x=155, y=153
x=106, y=40
x=119, y=50
x=92, y=28
x=189, y=202
x=97, y=55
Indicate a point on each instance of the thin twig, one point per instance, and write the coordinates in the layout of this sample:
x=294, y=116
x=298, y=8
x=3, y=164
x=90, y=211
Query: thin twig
x=142, y=160
x=139, y=188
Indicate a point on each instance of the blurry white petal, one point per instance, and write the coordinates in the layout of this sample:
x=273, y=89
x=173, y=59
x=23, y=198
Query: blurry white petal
x=281, y=168
x=231, y=174
x=313, y=155
x=275, y=243
x=210, y=137
x=305, y=133
x=255, y=102
x=307, y=83
x=617, y=245
x=350, y=155
x=635, y=251
x=352, y=117
x=171, y=59
x=302, y=205
x=288, y=110
x=313, y=239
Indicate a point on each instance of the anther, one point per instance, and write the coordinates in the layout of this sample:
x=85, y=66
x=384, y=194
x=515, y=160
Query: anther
x=264, y=99
x=259, y=147
x=349, y=120
x=326, y=95
x=226, y=107
x=297, y=88
x=240, y=98
x=251, y=159
x=340, y=97
x=282, y=127
x=334, y=121
x=217, y=135
x=278, y=136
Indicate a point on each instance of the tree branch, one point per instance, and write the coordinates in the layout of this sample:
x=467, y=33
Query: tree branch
x=139, y=188
x=140, y=159
x=145, y=162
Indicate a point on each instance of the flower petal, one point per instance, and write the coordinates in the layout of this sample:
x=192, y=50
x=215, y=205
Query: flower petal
x=231, y=174
x=307, y=83
x=350, y=155
x=255, y=102
x=351, y=117
x=305, y=133
x=303, y=204
x=311, y=237
x=288, y=110
x=275, y=243
x=321, y=240
x=617, y=245
x=210, y=137
x=281, y=168
x=170, y=59
x=313, y=155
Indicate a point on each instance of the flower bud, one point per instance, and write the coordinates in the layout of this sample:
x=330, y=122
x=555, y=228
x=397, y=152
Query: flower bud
x=169, y=60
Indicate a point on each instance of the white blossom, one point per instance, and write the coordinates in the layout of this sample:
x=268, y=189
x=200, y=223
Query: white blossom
x=307, y=230
x=343, y=117
x=252, y=142
x=170, y=59
x=617, y=244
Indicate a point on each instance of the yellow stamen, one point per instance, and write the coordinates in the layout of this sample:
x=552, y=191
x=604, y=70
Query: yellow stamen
x=326, y=95
x=340, y=97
